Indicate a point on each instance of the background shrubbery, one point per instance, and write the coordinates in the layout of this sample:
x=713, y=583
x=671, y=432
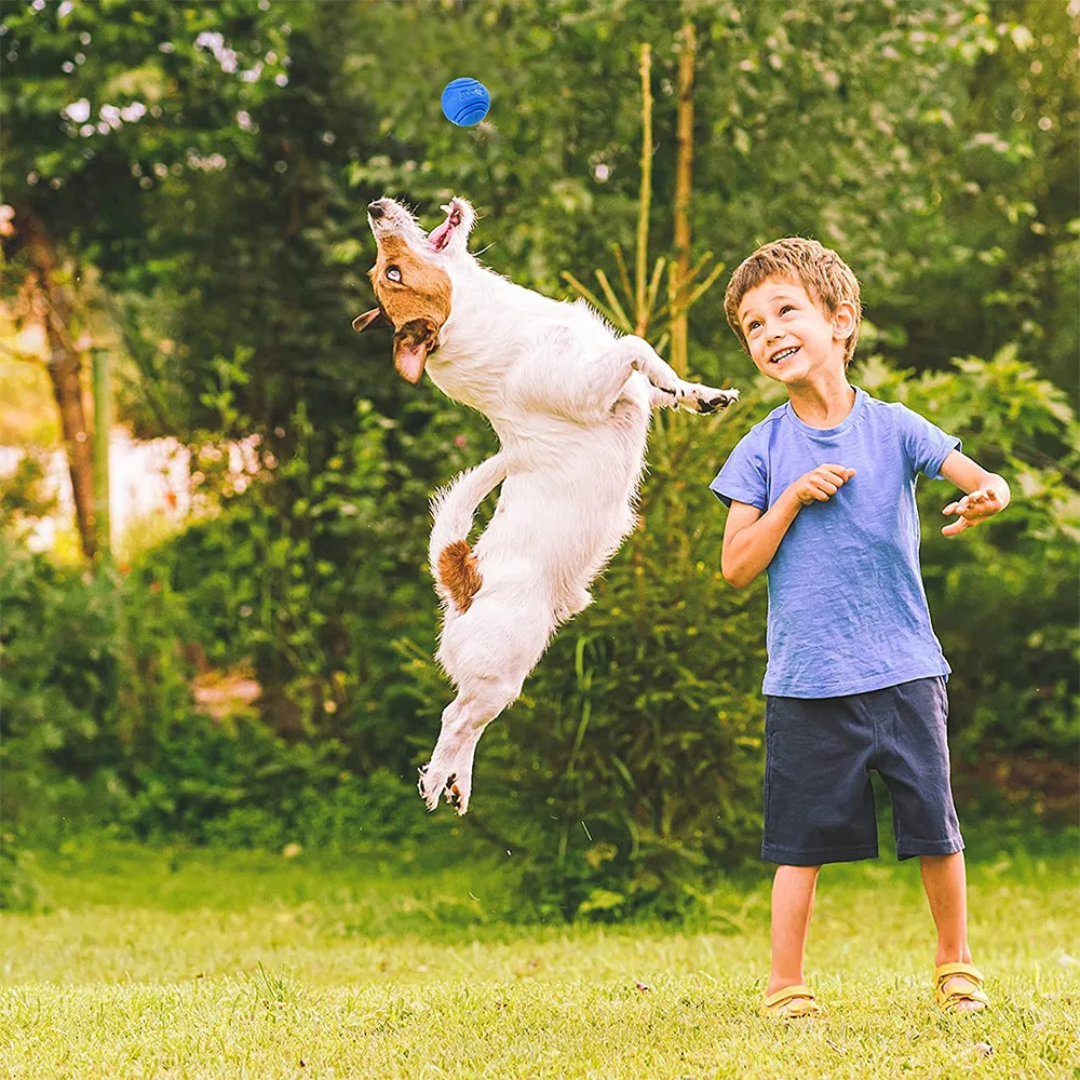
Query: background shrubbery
x=928, y=142
x=629, y=772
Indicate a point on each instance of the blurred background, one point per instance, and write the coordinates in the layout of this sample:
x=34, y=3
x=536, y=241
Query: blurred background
x=217, y=622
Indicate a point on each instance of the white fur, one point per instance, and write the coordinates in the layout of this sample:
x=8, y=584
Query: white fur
x=570, y=402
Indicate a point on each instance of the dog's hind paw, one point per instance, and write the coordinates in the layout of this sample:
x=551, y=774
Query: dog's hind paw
x=457, y=798
x=456, y=790
x=426, y=785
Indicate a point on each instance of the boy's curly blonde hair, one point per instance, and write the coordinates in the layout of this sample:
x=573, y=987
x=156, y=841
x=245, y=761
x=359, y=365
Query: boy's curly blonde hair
x=819, y=270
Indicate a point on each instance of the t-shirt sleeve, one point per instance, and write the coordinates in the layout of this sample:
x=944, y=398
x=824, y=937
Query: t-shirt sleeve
x=926, y=445
x=744, y=477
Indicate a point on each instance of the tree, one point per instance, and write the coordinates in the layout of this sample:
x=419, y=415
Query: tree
x=99, y=111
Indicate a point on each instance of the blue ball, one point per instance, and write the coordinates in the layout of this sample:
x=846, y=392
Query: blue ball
x=465, y=102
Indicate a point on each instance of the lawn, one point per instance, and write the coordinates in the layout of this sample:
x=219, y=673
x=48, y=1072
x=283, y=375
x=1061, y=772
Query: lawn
x=183, y=963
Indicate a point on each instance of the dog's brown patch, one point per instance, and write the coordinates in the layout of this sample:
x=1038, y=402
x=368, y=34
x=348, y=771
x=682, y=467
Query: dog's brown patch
x=414, y=295
x=458, y=573
x=423, y=291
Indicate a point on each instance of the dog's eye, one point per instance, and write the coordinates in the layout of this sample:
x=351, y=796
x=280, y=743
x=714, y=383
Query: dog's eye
x=393, y=273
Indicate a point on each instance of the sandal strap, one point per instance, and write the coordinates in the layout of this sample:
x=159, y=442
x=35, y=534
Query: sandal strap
x=787, y=994
x=945, y=972
x=954, y=996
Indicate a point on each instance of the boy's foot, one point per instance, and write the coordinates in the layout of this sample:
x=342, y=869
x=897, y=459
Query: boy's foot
x=957, y=988
x=791, y=1003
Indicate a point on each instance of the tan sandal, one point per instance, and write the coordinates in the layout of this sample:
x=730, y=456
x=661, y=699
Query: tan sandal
x=966, y=988
x=791, y=1003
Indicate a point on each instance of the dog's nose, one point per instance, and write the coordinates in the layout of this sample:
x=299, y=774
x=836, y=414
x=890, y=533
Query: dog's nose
x=375, y=210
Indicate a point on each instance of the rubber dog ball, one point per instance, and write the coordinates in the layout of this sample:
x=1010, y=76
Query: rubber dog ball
x=465, y=102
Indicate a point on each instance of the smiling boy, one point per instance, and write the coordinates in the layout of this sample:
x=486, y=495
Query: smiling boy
x=822, y=498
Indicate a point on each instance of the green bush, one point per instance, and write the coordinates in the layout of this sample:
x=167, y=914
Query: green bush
x=98, y=725
x=627, y=775
x=62, y=675
x=19, y=891
x=341, y=814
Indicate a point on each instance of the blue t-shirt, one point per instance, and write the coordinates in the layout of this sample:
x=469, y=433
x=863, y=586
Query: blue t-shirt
x=847, y=609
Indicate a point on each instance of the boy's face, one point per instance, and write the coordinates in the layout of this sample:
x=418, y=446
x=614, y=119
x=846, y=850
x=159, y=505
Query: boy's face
x=792, y=338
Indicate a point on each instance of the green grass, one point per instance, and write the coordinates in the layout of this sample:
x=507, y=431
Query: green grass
x=190, y=964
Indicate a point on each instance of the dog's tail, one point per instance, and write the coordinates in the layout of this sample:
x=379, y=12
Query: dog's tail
x=452, y=561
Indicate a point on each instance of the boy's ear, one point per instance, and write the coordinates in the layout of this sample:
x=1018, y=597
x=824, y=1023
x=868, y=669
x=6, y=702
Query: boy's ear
x=843, y=320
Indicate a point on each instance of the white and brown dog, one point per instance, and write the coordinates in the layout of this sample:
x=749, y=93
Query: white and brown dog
x=570, y=402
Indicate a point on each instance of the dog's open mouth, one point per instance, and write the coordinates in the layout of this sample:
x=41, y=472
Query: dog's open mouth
x=440, y=235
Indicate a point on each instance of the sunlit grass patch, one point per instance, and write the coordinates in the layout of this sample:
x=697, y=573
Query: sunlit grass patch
x=190, y=964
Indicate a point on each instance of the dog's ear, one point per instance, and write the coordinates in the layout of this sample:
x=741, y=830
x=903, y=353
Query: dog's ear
x=412, y=343
x=369, y=318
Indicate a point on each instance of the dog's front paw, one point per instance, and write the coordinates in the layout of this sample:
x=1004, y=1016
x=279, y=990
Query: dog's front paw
x=695, y=397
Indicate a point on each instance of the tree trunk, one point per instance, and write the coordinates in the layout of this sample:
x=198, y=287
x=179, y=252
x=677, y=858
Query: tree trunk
x=65, y=371
x=684, y=163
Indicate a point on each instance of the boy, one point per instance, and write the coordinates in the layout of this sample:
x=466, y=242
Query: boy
x=822, y=496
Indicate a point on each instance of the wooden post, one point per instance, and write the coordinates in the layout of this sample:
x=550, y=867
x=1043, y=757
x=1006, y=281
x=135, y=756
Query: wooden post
x=102, y=428
x=640, y=267
x=684, y=163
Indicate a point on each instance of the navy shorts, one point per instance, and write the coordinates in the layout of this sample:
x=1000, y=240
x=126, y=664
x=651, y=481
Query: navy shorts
x=819, y=803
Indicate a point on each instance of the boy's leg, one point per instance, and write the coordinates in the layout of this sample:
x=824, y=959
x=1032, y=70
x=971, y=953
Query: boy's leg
x=913, y=758
x=792, y=906
x=946, y=888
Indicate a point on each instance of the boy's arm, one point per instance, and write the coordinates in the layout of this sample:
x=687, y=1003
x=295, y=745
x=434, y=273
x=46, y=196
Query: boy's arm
x=751, y=537
x=987, y=493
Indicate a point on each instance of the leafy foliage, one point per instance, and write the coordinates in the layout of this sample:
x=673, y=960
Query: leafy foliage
x=98, y=724
x=216, y=189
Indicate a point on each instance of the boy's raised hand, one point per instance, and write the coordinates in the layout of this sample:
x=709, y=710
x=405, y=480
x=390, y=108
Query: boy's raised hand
x=821, y=484
x=973, y=509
